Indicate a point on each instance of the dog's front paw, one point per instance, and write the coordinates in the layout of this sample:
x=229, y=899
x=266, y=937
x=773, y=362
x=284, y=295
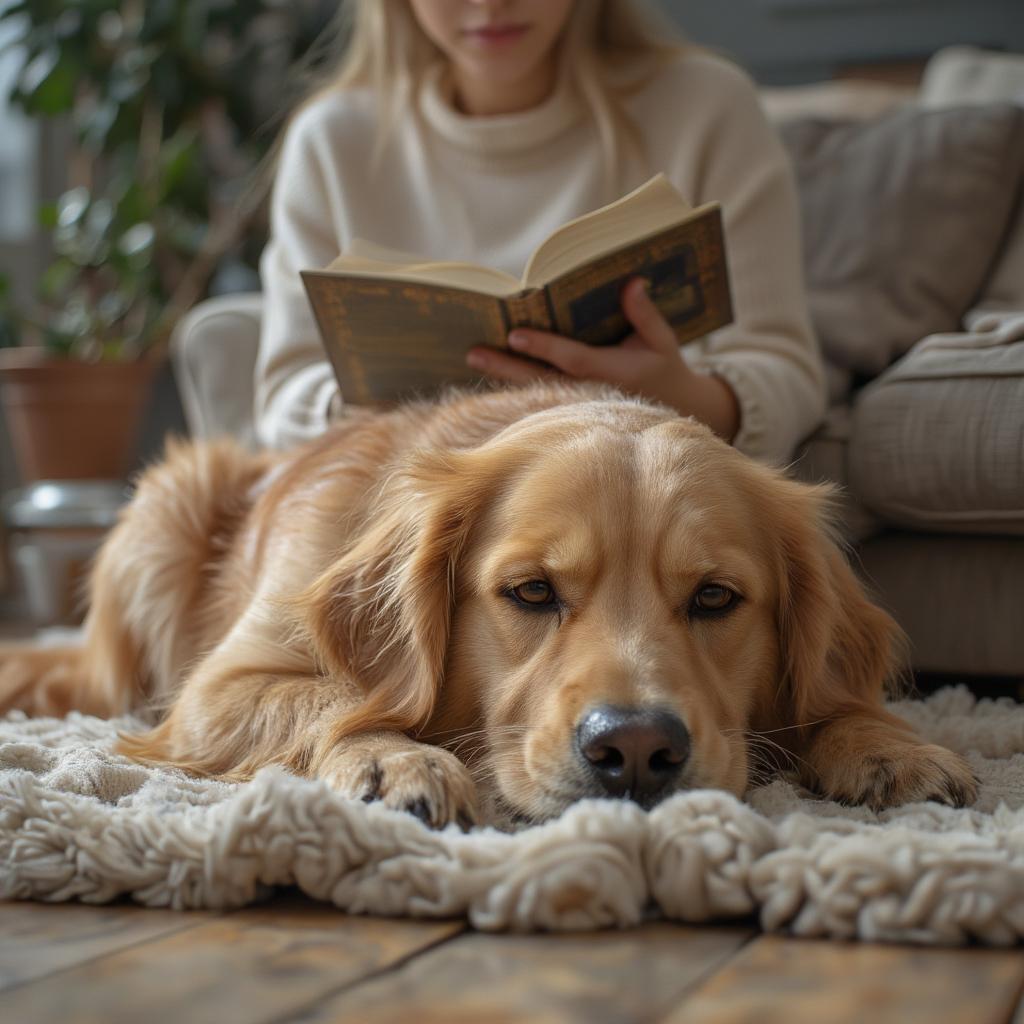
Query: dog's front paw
x=428, y=782
x=908, y=773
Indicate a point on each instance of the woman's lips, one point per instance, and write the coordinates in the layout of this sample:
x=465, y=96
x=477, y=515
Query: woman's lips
x=496, y=35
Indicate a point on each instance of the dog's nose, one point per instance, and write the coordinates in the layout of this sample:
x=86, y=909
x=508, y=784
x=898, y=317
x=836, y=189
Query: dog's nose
x=633, y=752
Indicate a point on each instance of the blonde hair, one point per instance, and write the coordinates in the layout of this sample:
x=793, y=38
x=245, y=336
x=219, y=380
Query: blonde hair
x=389, y=53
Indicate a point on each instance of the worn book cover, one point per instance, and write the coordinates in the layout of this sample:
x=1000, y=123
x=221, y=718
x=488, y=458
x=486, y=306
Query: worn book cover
x=391, y=333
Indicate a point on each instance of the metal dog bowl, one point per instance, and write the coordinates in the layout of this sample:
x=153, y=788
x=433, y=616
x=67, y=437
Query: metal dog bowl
x=56, y=527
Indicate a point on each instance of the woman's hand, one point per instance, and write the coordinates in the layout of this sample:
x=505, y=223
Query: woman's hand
x=646, y=363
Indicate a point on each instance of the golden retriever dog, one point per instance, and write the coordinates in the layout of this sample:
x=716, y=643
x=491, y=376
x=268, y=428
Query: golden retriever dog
x=489, y=607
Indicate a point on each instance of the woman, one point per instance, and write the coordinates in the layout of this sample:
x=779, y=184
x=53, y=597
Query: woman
x=470, y=129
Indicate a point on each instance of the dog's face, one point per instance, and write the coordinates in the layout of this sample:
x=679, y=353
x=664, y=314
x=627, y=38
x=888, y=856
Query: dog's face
x=615, y=619
x=606, y=600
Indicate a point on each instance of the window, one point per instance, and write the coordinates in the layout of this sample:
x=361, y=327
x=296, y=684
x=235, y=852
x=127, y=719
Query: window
x=18, y=143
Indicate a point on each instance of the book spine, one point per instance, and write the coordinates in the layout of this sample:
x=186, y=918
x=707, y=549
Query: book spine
x=530, y=309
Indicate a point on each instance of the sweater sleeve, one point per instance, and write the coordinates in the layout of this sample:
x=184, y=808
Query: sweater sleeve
x=769, y=354
x=295, y=387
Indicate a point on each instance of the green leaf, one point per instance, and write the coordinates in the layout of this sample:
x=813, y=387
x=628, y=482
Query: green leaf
x=55, y=94
x=14, y=11
x=8, y=332
x=110, y=308
x=130, y=73
x=132, y=205
x=178, y=157
x=72, y=206
x=167, y=80
x=100, y=218
x=136, y=245
x=56, y=279
x=96, y=125
x=68, y=25
x=9, y=327
x=160, y=17
x=57, y=343
x=47, y=215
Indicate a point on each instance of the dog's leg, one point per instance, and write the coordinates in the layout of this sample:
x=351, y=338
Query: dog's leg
x=100, y=675
x=426, y=781
x=46, y=681
x=230, y=721
x=869, y=756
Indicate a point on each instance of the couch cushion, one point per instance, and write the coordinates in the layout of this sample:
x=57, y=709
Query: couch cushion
x=965, y=74
x=903, y=216
x=938, y=441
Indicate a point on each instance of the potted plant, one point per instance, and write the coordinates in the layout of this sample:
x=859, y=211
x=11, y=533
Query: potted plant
x=164, y=102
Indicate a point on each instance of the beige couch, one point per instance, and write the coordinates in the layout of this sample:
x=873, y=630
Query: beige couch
x=918, y=293
x=931, y=449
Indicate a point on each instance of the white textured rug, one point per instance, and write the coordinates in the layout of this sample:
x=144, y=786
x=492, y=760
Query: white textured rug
x=77, y=822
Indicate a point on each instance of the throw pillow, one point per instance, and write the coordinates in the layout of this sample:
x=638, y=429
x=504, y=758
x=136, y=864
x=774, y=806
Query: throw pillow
x=902, y=218
x=1005, y=288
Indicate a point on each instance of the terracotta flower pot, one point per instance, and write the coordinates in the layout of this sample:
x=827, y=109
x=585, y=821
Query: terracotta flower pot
x=71, y=420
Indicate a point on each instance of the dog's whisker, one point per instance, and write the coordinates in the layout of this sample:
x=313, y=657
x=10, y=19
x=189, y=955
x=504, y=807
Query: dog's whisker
x=784, y=728
x=469, y=754
x=798, y=725
x=790, y=757
x=486, y=731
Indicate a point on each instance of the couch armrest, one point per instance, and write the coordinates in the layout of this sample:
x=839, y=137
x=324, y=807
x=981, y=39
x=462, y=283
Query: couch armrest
x=213, y=351
x=849, y=100
x=936, y=439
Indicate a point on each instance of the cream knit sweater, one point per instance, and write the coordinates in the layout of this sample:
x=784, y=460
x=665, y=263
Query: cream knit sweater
x=489, y=189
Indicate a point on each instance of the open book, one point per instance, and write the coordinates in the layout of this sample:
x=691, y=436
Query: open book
x=395, y=325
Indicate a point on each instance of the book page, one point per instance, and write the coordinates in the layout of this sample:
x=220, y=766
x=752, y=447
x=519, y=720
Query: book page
x=367, y=259
x=651, y=208
x=362, y=248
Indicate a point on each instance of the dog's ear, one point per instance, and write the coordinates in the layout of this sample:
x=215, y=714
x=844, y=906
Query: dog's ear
x=838, y=649
x=380, y=615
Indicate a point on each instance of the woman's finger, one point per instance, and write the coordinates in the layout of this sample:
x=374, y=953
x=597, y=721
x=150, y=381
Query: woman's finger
x=571, y=357
x=502, y=366
x=646, y=318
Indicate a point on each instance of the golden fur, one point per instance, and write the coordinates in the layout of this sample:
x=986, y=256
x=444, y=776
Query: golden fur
x=351, y=611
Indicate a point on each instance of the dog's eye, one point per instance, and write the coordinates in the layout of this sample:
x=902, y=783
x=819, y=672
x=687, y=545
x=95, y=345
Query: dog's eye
x=713, y=599
x=535, y=592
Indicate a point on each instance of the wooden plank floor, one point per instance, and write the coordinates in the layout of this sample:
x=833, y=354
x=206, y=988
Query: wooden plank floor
x=296, y=960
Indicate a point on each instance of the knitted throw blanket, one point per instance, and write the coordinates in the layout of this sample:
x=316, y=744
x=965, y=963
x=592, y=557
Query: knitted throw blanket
x=77, y=822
